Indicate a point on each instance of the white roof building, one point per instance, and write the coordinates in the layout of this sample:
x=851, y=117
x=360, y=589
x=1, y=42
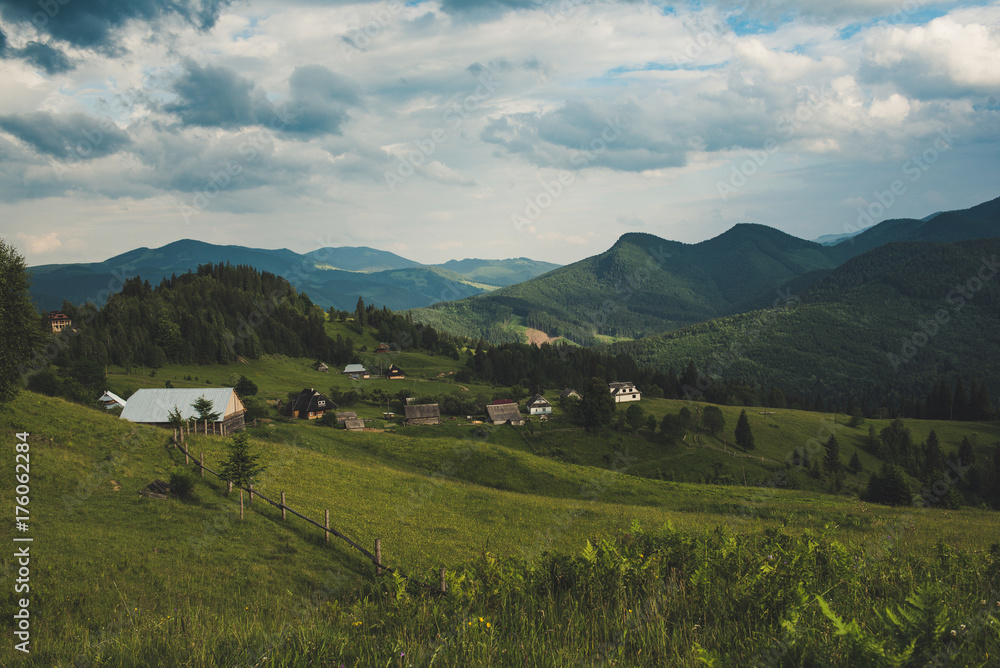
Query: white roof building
x=152, y=406
x=111, y=400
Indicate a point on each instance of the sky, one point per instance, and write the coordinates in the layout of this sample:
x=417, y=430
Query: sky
x=506, y=128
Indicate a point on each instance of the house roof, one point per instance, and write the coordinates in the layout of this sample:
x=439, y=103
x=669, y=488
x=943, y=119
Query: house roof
x=393, y=369
x=355, y=368
x=56, y=315
x=111, y=396
x=346, y=415
x=568, y=391
x=354, y=424
x=504, y=412
x=539, y=400
x=154, y=404
x=501, y=402
x=618, y=387
x=308, y=400
x=420, y=411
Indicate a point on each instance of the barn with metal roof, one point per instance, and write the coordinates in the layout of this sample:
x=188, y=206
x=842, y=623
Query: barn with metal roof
x=153, y=405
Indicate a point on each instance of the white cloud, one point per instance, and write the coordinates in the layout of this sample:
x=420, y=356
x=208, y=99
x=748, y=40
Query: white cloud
x=40, y=244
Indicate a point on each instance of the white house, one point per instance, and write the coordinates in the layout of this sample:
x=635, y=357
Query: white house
x=624, y=391
x=111, y=400
x=539, y=406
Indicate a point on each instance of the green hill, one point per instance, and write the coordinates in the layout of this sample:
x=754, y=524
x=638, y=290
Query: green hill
x=642, y=285
x=884, y=327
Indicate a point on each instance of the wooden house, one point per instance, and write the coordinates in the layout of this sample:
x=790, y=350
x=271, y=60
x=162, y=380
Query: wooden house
x=539, y=405
x=422, y=414
x=343, y=416
x=382, y=348
x=355, y=371
x=310, y=405
x=111, y=400
x=624, y=391
x=322, y=368
x=354, y=424
x=394, y=373
x=504, y=413
x=59, y=321
x=567, y=393
x=153, y=405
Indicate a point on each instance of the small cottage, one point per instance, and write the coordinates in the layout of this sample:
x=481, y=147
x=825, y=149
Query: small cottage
x=422, y=414
x=310, y=405
x=111, y=400
x=355, y=371
x=343, y=416
x=504, y=413
x=567, y=393
x=59, y=321
x=394, y=373
x=322, y=368
x=624, y=391
x=539, y=406
x=382, y=348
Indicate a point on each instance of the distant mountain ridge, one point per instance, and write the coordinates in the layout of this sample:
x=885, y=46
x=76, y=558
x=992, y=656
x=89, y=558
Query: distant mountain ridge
x=644, y=285
x=330, y=276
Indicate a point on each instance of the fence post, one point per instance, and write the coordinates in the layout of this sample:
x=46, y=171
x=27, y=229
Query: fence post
x=327, y=532
x=444, y=584
x=378, y=556
x=229, y=487
x=187, y=460
x=251, y=494
x=283, y=516
x=202, y=469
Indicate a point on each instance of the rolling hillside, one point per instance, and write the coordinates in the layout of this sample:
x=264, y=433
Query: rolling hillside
x=885, y=326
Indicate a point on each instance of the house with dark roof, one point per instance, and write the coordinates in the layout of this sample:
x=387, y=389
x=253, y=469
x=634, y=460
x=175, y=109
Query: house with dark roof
x=59, y=321
x=624, y=391
x=394, y=373
x=567, y=393
x=539, y=405
x=504, y=413
x=310, y=405
x=422, y=414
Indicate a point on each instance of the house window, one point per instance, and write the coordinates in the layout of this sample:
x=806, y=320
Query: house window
x=321, y=402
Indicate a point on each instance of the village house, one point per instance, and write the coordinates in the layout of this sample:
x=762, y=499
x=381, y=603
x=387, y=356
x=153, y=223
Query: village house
x=624, y=391
x=310, y=405
x=539, y=406
x=59, y=321
x=355, y=371
x=382, y=348
x=111, y=400
x=394, y=373
x=503, y=413
x=322, y=367
x=344, y=416
x=422, y=414
x=567, y=393
x=153, y=406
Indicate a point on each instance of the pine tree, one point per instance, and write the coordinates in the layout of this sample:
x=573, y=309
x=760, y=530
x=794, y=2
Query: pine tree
x=744, y=435
x=855, y=464
x=831, y=463
x=933, y=456
x=597, y=408
x=21, y=333
x=204, y=407
x=242, y=466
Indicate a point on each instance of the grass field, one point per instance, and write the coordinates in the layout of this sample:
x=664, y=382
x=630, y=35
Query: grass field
x=119, y=579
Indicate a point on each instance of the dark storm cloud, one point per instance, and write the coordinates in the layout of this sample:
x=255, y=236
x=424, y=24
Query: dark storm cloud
x=213, y=96
x=94, y=24
x=320, y=99
x=66, y=136
x=53, y=61
x=3, y=43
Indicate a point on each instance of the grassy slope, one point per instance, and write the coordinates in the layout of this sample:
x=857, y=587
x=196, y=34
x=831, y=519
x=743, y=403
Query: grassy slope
x=108, y=563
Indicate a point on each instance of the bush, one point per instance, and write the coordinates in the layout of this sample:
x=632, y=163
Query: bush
x=182, y=482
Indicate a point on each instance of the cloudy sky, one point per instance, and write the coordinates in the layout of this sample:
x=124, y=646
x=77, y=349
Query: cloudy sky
x=505, y=128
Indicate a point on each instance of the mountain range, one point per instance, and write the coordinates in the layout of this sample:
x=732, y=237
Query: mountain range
x=645, y=285
x=330, y=276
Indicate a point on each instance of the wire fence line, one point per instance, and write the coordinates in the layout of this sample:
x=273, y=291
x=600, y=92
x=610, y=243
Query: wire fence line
x=376, y=558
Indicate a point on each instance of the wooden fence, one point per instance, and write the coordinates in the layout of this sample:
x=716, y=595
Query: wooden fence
x=376, y=558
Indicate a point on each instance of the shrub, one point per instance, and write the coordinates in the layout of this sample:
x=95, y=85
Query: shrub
x=182, y=482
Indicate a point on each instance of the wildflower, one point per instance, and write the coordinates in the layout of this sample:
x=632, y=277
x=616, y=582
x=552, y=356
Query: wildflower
x=487, y=625
x=953, y=632
x=402, y=654
x=982, y=602
x=480, y=620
